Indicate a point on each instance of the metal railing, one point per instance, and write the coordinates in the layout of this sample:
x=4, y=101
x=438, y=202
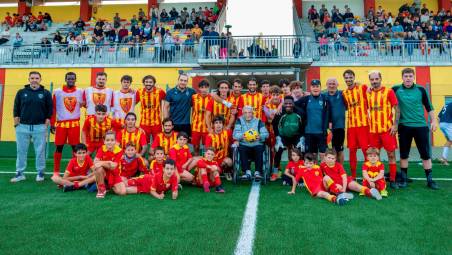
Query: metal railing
x=57, y=54
x=224, y=50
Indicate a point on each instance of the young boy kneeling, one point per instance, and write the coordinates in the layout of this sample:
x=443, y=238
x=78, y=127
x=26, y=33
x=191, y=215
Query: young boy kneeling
x=374, y=172
x=208, y=172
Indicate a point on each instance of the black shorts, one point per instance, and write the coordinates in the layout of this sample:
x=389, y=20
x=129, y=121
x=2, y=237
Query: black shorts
x=183, y=127
x=290, y=141
x=315, y=143
x=338, y=139
x=421, y=138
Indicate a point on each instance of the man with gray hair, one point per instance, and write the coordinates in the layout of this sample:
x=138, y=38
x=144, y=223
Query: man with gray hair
x=337, y=122
x=250, y=134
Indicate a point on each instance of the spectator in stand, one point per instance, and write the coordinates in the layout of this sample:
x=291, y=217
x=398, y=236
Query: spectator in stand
x=348, y=15
x=116, y=21
x=8, y=20
x=189, y=44
x=197, y=32
x=48, y=19
x=133, y=21
x=154, y=16
x=136, y=30
x=337, y=16
x=164, y=17
x=4, y=36
x=214, y=36
x=18, y=41
x=123, y=34
x=312, y=13
x=297, y=48
x=184, y=16
x=160, y=29
x=157, y=47
x=46, y=47
x=98, y=31
x=147, y=32
x=79, y=25
x=173, y=14
x=141, y=15
x=177, y=24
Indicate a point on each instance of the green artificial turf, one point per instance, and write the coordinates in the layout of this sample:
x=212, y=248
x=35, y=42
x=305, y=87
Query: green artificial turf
x=37, y=218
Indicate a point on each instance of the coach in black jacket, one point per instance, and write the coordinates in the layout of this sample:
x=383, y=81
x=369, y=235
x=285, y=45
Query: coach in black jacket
x=316, y=114
x=32, y=113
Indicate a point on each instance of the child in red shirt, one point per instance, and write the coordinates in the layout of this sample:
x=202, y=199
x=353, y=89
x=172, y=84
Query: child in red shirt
x=132, y=162
x=336, y=180
x=158, y=163
x=77, y=172
x=157, y=184
x=107, y=167
x=374, y=172
x=182, y=155
x=208, y=172
x=293, y=169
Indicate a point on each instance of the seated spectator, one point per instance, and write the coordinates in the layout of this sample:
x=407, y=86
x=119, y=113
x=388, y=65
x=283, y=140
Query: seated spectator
x=134, y=21
x=48, y=19
x=98, y=31
x=164, y=17
x=147, y=32
x=18, y=40
x=314, y=16
x=337, y=16
x=418, y=34
x=40, y=18
x=397, y=28
x=197, y=32
x=42, y=27
x=242, y=54
x=57, y=38
x=173, y=14
x=160, y=29
x=136, y=30
x=319, y=29
x=311, y=11
x=358, y=29
x=123, y=34
x=100, y=23
x=177, y=24
x=4, y=36
x=141, y=15
x=8, y=20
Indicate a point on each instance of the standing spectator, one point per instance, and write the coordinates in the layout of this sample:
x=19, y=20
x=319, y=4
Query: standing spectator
x=173, y=14
x=410, y=124
x=116, y=21
x=133, y=21
x=168, y=47
x=135, y=30
x=79, y=25
x=32, y=113
x=164, y=17
x=297, y=48
x=18, y=40
x=178, y=104
x=197, y=32
x=123, y=34
x=154, y=16
x=147, y=32
x=445, y=124
x=157, y=47
x=46, y=47
x=141, y=15
x=348, y=15
x=214, y=36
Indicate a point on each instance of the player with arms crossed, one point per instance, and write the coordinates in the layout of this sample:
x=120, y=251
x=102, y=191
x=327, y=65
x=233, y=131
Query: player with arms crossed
x=124, y=100
x=98, y=95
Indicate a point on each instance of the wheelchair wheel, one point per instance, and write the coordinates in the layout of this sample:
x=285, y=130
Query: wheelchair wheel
x=235, y=166
x=266, y=165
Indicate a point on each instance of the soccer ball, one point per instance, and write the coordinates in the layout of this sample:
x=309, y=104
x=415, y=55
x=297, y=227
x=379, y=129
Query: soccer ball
x=251, y=135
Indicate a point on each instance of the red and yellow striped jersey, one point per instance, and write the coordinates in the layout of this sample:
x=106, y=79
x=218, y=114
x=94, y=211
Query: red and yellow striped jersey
x=218, y=109
x=380, y=103
x=356, y=103
x=156, y=167
x=150, y=106
x=220, y=142
x=373, y=171
x=138, y=137
x=166, y=142
x=95, y=131
x=198, y=113
x=254, y=100
x=271, y=108
x=233, y=100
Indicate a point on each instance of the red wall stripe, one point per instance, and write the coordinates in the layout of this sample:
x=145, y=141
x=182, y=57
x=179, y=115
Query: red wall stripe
x=423, y=78
x=94, y=71
x=2, y=96
x=312, y=73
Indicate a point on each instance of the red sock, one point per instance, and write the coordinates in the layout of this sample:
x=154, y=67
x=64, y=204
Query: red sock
x=392, y=171
x=76, y=186
x=204, y=178
x=353, y=162
x=217, y=181
x=367, y=192
x=56, y=162
x=334, y=189
x=101, y=187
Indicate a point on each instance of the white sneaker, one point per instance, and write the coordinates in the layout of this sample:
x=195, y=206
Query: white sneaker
x=375, y=194
x=18, y=178
x=40, y=177
x=348, y=196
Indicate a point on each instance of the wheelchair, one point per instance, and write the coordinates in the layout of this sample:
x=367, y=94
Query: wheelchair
x=237, y=173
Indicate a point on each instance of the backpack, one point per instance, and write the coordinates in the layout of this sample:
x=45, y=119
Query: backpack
x=289, y=125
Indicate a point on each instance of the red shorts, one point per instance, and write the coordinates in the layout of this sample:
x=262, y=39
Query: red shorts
x=143, y=183
x=67, y=135
x=93, y=146
x=198, y=179
x=379, y=184
x=358, y=137
x=112, y=178
x=197, y=136
x=314, y=186
x=385, y=140
x=151, y=131
x=333, y=187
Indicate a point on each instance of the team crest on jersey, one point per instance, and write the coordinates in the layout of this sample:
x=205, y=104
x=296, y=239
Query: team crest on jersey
x=99, y=98
x=70, y=103
x=126, y=104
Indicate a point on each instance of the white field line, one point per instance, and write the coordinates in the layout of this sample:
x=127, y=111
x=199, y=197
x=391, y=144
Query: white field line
x=248, y=231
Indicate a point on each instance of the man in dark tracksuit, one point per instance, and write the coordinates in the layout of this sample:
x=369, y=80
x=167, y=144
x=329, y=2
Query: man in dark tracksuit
x=32, y=113
x=316, y=114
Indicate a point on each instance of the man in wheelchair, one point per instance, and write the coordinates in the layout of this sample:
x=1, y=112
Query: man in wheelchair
x=250, y=135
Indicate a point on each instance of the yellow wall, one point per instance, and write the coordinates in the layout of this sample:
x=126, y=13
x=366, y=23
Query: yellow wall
x=59, y=13
x=126, y=11
x=4, y=10
x=17, y=78
x=393, y=5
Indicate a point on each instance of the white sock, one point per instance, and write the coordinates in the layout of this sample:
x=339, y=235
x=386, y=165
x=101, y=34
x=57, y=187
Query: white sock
x=445, y=152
